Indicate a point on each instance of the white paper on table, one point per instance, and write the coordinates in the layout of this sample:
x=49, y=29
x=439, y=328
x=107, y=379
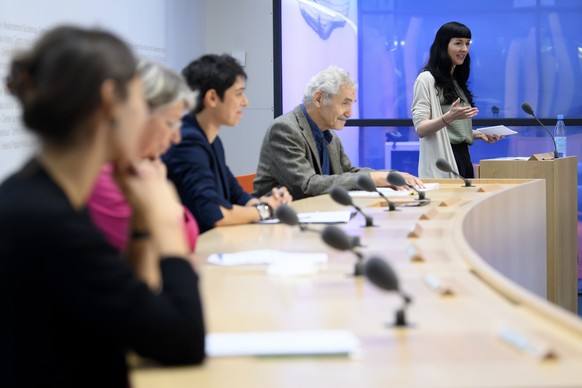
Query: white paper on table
x=282, y=343
x=269, y=221
x=388, y=192
x=333, y=217
x=429, y=187
x=266, y=256
x=500, y=130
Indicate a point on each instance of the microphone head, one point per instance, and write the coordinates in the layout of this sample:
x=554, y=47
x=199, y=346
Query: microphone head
x=287, y=215
x=395, y=179
x=443, y=165
x=366, y=183
x=527, y=108
x=381, y=274
x=336, y=238
x=341, y=196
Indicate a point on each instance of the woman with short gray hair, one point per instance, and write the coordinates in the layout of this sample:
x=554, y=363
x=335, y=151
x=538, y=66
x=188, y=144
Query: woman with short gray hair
x=163, y=86
x=168, y=97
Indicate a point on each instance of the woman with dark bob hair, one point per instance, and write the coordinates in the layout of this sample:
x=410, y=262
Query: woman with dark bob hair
x=71, y=306
x=443, y=105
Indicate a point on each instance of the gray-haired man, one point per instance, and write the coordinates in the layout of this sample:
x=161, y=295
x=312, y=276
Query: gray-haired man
x=301, y=151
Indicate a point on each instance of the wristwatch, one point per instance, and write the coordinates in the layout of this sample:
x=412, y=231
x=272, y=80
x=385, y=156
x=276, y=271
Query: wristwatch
x=264, y=211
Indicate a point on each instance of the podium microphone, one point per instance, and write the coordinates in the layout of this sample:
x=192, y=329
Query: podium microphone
x=397, y=180
x=341, y=196
x=445, y=166
x=338, y=239
x=381, y=274
x=367, y=183
x=527, y=108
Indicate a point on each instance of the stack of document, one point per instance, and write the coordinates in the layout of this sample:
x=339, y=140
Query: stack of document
x=335, y=217
x=282, y=343
x=341, y=216
x=388, y=192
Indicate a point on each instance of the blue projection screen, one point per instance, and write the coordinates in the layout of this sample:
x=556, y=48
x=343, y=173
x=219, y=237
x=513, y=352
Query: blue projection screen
x=522, y=50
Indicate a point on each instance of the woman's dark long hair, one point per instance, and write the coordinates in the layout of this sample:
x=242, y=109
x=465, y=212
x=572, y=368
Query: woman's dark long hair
x=440, y=63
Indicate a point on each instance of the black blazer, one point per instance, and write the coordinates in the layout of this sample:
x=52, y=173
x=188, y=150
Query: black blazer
x=199, y=171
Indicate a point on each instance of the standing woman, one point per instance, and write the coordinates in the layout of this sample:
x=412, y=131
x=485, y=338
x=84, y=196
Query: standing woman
x=443, y=106
x=71, y=308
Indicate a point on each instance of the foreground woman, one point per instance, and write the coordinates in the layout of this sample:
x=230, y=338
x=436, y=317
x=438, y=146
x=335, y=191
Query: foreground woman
x=71, y=307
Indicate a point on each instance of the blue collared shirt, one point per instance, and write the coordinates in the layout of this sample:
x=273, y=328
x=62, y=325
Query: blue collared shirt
x=322, y=139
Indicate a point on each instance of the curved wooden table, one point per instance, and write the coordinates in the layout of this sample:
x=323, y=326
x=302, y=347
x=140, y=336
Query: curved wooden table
x=487, y=247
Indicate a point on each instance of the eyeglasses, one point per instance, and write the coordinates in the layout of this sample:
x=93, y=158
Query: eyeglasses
x=173, y=124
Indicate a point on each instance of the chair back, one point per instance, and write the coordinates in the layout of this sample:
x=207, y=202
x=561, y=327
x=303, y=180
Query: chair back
x=246, y=182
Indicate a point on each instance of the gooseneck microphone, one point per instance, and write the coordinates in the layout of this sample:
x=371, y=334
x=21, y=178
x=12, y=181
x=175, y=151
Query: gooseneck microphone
x=338, y=239
x=367, y=183
x=445, y=166
x=341, y=196
x=288, y=216
x=527, y=108
x=381, y=274
x=396, y=179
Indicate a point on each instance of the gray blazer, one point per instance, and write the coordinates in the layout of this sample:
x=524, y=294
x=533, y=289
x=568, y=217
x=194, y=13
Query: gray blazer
x=289, y=158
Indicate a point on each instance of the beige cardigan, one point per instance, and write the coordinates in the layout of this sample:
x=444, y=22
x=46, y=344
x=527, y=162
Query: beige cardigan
x=426, y=106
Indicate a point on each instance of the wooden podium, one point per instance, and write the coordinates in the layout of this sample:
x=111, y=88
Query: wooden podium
x=561, y=202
